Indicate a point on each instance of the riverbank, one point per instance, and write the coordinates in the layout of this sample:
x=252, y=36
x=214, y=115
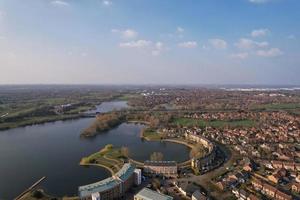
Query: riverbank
x=52, y=111
x=42, y=195
x=39, y=120
x=186, y=143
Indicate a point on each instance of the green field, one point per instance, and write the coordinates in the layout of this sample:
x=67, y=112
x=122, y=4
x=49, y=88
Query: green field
x=150, y=134
x=216, y=124
x=32, y=106
x=108, y=156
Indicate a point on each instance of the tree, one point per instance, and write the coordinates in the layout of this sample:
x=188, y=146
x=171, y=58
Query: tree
x=156, y=156
x=156, y=183
x=37, y=194
x=125, y=151
x=109, y=146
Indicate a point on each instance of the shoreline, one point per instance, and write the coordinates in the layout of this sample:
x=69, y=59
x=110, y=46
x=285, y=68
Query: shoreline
x=178, y=142
x=69, y=118
x=98, y=165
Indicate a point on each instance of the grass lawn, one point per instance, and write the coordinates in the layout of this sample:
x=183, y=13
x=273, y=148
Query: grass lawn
x=215, y=123
x=80, y=109
x=150, y=134
x=127, y=97
x=108, y=156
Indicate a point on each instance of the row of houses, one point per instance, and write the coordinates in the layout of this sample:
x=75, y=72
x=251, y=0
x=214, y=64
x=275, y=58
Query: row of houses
x=190, y=190
x=243, y=195
x=285, y=164
x=204, y=163
x=270, y=190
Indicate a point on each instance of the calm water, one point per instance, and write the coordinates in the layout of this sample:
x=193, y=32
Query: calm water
x=55, y=149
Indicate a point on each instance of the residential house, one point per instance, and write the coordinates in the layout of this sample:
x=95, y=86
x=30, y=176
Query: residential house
x=296, y=187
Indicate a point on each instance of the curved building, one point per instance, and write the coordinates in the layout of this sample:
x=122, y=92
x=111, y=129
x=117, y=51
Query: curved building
x=204, y=163
x=111, y=188
x=165, y=168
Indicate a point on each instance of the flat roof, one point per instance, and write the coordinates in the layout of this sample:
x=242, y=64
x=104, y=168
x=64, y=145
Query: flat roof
x=148, y=194
x=100, y=186
x=160, y=163
x=125, y=172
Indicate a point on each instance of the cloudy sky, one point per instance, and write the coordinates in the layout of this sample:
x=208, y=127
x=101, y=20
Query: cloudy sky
x=150, y=41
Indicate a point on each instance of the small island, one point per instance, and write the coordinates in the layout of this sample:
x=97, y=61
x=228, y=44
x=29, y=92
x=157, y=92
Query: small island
x=103, y=122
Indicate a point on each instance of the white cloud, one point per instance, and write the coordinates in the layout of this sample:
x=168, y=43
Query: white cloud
x=259, y=32
x=159, y=47
x=240, y=55
x=155, y=48
x=129, y=34
x=245, y=43
x=262, y=44
x=59, y=3
x=259, y=1
x=273, y=52
x=180, y=29
x=218, y=43
x=107, y=3
x=136, y=44
x=126, y=34
x=179, y=32
x=188, y=44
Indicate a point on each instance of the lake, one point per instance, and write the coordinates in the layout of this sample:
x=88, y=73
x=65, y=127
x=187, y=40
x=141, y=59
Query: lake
x=55, y=149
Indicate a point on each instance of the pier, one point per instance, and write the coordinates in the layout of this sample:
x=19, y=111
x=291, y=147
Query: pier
x=30, y=188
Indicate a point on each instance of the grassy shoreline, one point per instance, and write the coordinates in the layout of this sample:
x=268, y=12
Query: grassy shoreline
x=109, y=157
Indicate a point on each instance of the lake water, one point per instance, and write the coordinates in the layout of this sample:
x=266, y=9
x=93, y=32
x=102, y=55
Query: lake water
x=55, y=149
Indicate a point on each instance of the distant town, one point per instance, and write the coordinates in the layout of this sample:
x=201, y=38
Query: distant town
x=233, y=143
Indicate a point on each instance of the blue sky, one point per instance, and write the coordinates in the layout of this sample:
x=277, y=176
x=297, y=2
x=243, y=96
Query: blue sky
x=150, y=41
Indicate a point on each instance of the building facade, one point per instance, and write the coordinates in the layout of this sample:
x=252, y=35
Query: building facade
x=165, y=168
x=111, y=188
x=137, y=176
x=204, y=163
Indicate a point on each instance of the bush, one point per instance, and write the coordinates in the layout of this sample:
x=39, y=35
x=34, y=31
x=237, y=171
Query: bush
x=37, y=194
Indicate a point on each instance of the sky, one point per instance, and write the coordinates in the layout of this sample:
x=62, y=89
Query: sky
x=150, y=42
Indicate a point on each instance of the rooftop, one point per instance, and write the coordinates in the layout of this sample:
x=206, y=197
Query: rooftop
x=100, y=186
x=122, y=175
x=125, y=172
x=160, y=163
x=148, y=194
